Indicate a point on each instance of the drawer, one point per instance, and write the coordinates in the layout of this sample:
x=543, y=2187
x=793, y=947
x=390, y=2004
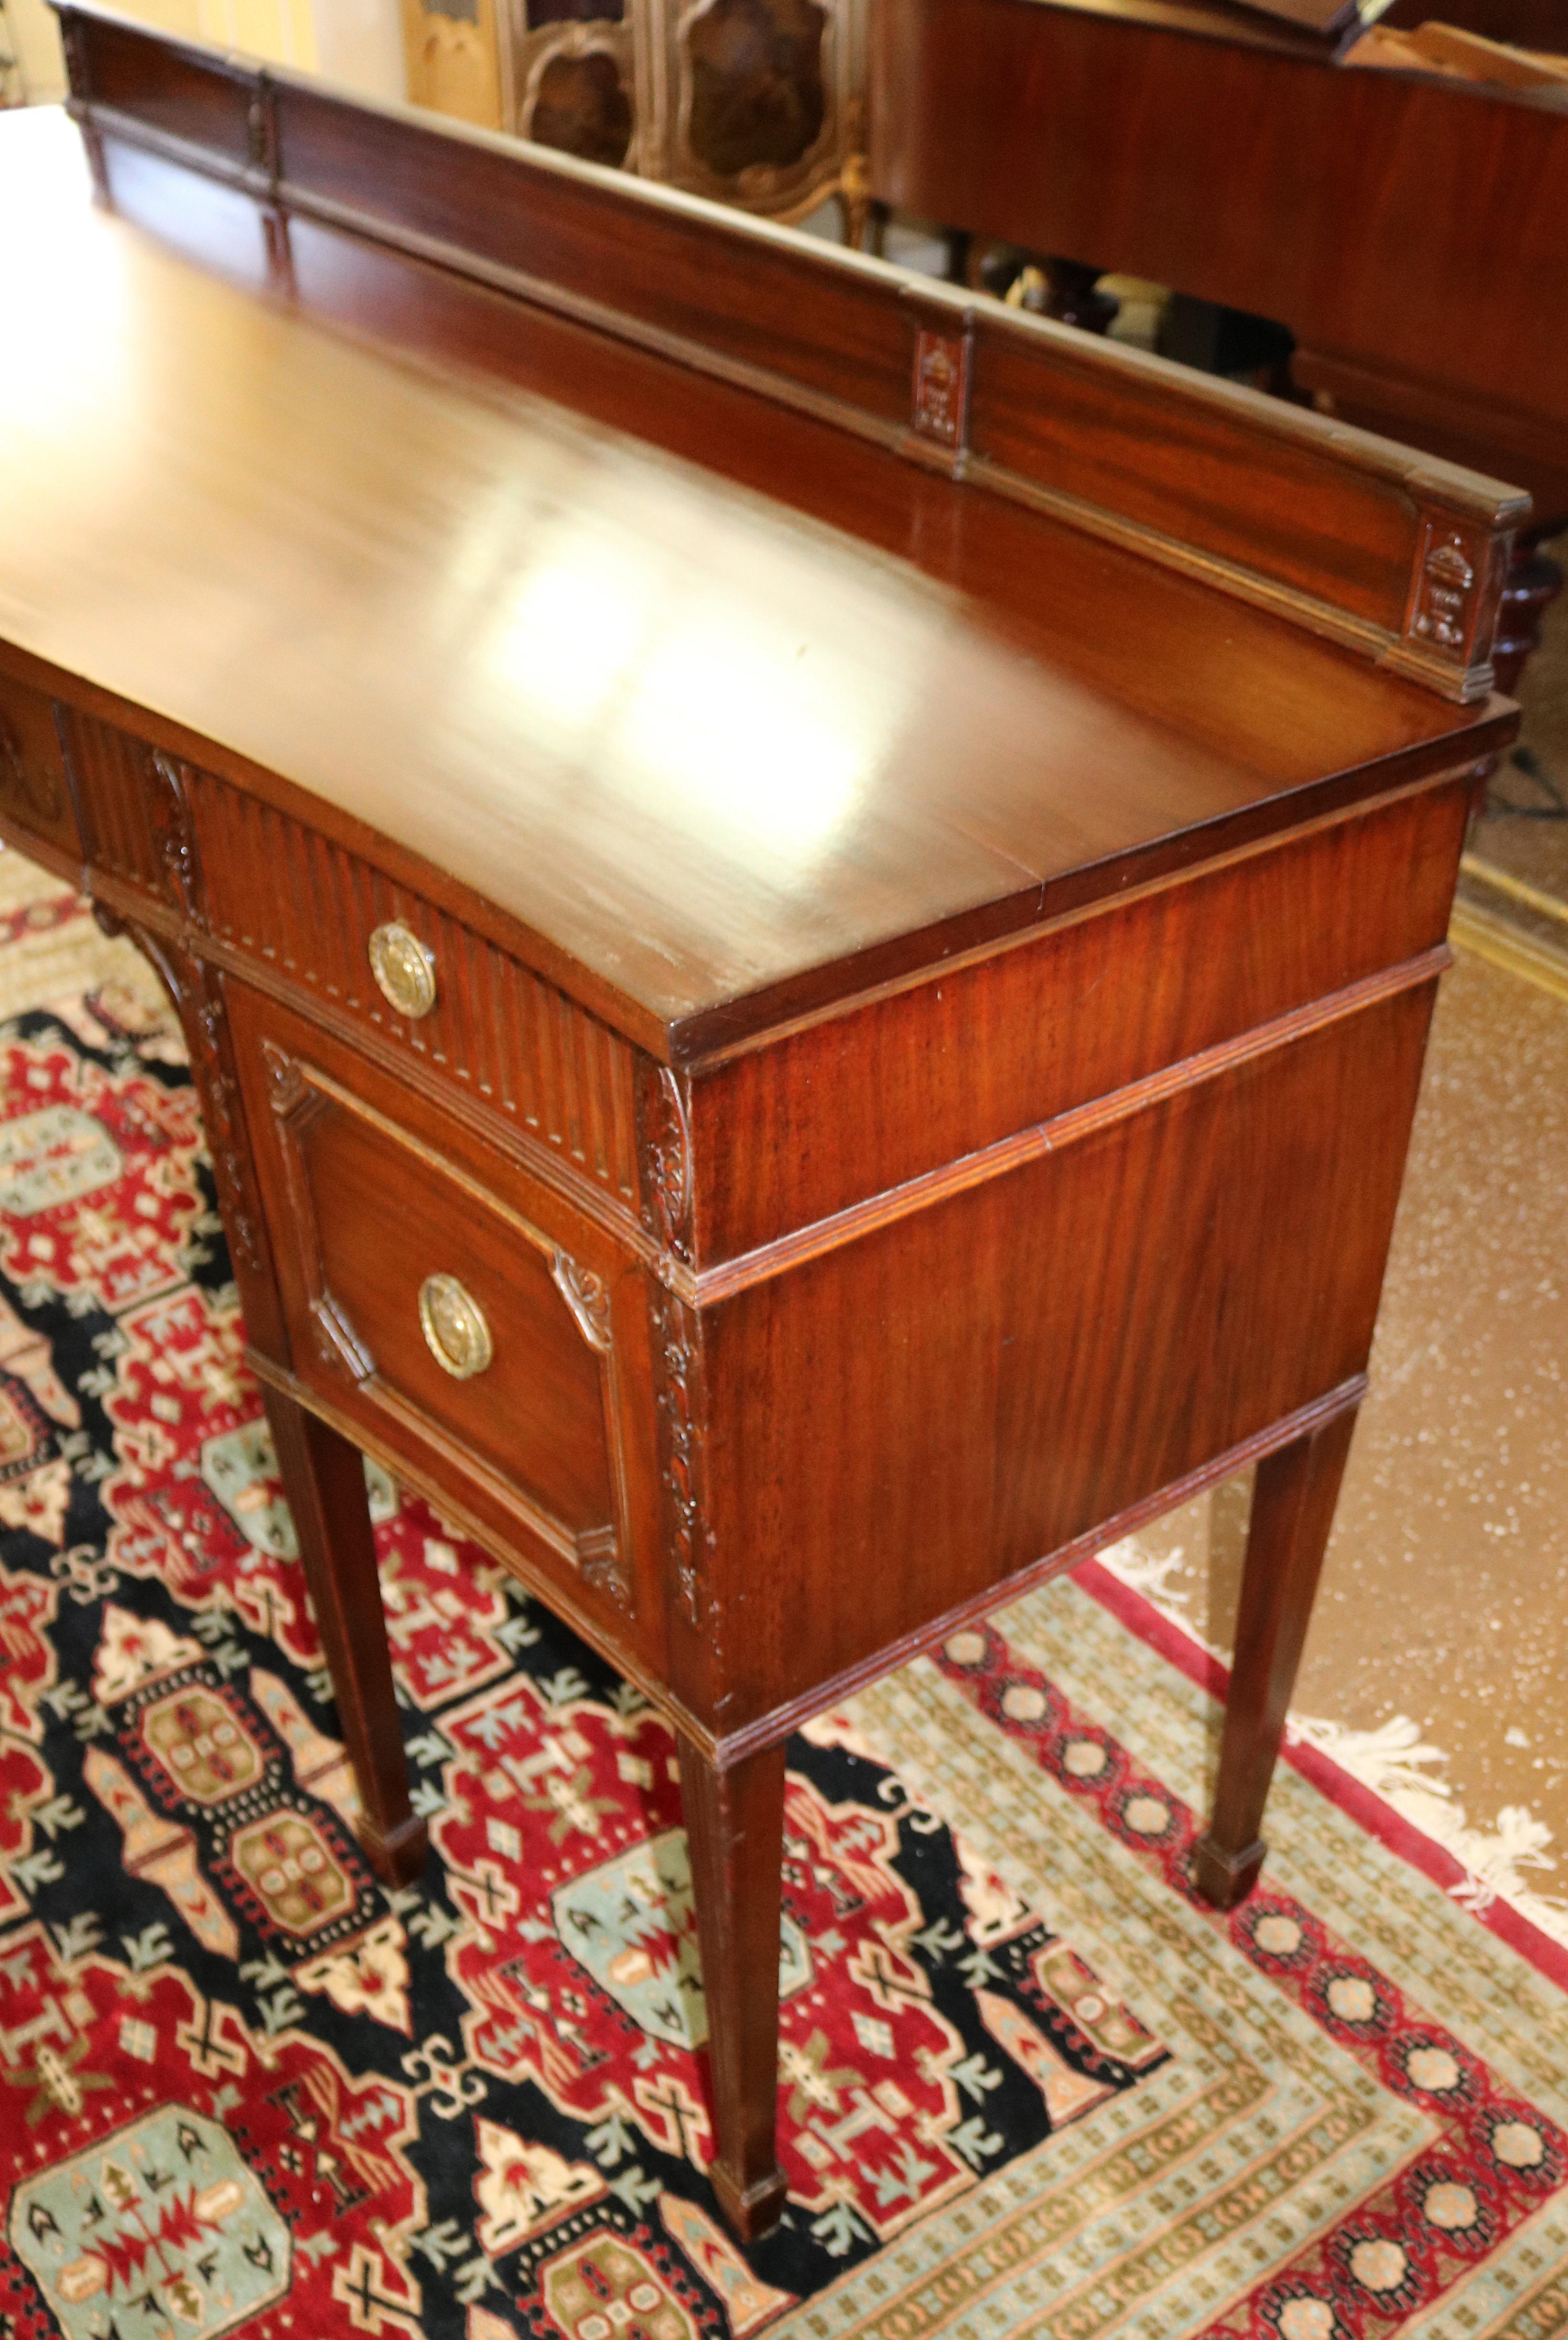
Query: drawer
x=470, y=1323
x=35, y=795
x=337, y=930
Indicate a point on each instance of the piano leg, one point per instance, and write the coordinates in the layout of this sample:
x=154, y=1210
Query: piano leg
x=323, y=1477
x=1531, y=584
x=1291, y=1514
x=735, y=1834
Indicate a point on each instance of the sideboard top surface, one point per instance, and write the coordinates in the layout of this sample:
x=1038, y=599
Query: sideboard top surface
x=705, y=695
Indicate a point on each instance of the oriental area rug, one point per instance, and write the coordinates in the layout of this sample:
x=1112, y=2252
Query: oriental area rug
x=1030, y=2084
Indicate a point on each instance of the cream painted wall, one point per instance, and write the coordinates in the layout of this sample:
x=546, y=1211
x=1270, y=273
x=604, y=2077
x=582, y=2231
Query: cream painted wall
x=359, y=43
x=281, y=31
x=356, y=42
x=35, y=37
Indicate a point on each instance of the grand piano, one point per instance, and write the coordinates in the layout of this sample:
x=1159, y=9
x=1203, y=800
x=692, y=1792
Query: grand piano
x=1540, y=24
x=1409, y=229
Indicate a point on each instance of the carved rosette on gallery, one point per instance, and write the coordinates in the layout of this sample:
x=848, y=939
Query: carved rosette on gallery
x=755, y=103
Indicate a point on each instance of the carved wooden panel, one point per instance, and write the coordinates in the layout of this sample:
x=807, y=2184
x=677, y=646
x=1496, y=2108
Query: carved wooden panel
x=573, y=68
x=281, y=891
x=1454, y=593
x=761, y=95
x=940, y=387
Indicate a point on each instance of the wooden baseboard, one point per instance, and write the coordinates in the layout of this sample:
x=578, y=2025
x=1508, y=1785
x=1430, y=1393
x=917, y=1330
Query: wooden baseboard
x=1504, y=945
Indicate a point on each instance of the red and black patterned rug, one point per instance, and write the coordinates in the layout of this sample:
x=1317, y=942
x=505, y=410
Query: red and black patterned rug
x=1029, y=2084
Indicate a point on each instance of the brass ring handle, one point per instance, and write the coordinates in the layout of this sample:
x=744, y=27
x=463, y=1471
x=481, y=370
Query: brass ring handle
x=404, y=969
x=453, y=1325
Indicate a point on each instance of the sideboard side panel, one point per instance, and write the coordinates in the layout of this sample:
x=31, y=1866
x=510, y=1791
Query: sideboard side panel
x=978, y=1051
x=1051, y=1347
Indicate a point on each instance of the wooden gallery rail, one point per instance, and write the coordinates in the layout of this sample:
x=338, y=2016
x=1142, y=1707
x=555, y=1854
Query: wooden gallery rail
x=806, y=913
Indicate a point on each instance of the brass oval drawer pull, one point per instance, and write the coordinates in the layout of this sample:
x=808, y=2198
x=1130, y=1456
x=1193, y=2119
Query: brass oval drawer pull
x=453, y=1325
x=403, y=969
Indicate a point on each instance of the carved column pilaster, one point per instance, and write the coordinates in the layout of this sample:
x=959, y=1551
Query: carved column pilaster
x=680, y=1386
x=195, y=992
x=664, y=1151
x=682, y=1396
x=174, y=833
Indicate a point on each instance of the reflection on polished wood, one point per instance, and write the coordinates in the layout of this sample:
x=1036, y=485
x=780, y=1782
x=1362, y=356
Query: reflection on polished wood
x=1410, y=230
x=805, y=918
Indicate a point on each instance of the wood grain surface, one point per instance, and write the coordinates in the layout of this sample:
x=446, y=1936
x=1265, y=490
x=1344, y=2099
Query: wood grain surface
x=1525, y=24
x=911, y=1002
x=703, y=745
x=1407, y=230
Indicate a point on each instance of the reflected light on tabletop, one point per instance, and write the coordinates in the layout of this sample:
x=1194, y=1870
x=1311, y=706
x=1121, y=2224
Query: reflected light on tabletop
x=750, y=733
x=69, y=273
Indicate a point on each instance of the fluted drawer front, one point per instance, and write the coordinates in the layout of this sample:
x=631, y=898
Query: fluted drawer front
x=341, y=930
x=34, y=793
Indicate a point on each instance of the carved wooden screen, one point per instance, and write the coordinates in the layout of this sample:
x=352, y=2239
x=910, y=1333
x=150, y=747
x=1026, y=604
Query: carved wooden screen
x=750, y=102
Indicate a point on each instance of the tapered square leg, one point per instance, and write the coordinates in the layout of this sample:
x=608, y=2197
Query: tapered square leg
x=324, y=1478
x=1291, y=1514
x=735, y=1831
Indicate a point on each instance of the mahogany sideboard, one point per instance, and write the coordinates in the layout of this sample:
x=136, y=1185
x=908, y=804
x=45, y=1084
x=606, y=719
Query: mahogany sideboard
x=806, y=912
x=1409, y=230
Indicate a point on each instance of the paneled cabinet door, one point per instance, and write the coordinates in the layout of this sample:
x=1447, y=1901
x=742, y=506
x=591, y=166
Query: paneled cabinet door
x=749, y=101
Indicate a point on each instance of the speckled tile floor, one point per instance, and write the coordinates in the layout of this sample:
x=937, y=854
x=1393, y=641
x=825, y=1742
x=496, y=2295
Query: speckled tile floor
x=1437, y=1663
